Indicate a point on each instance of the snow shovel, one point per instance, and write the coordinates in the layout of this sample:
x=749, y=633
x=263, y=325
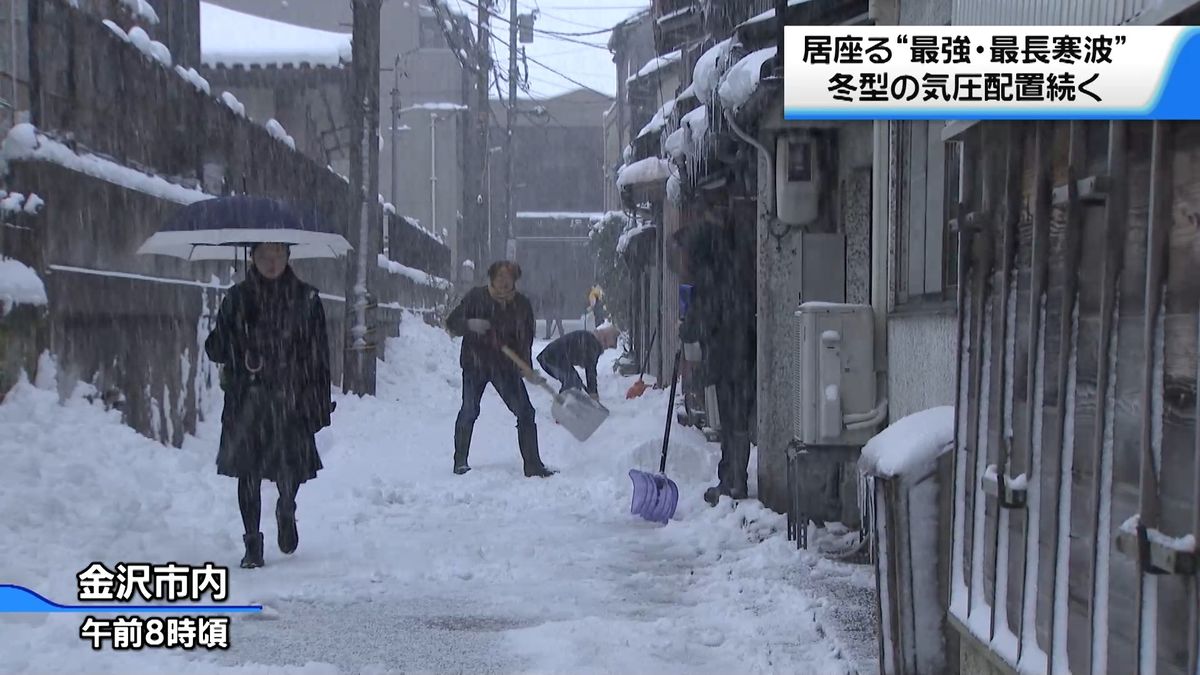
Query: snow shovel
x=638, y=388
x=654, y=495
x=572, y=408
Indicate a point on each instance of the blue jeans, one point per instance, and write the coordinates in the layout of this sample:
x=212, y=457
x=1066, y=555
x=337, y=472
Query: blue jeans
x=562, y=371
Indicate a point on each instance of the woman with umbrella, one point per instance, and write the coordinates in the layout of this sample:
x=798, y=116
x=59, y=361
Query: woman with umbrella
x=271, y=339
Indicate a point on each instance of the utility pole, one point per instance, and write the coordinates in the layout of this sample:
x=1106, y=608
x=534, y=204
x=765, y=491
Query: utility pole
x=511, y=118
x=358, y=365
x=480, y=201
x=395, y=191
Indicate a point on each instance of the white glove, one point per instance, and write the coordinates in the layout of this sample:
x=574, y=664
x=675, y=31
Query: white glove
x=479, y=326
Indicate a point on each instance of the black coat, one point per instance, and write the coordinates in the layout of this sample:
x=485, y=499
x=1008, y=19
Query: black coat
x=273, y=343
x=723, y=316
x=577, y=348
x=513, y=325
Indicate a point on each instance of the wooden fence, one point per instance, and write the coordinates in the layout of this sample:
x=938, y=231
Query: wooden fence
x=1076, y=472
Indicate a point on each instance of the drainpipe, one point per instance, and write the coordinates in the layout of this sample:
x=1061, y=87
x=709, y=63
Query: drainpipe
x=433, y=172
x=766, y=154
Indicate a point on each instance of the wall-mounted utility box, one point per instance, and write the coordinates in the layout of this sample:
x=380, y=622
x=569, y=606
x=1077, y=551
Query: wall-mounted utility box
x=834, y=371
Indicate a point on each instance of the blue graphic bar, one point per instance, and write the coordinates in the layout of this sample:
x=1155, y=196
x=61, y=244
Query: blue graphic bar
x=20, y=600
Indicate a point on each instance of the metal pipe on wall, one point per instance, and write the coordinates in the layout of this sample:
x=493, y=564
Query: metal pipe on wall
x=433, y=172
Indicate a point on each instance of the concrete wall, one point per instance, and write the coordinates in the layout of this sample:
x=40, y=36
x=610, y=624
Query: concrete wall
x=921, y=362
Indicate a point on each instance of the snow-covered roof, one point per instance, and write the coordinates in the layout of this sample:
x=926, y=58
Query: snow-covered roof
x=25, y=142
x=416, y=275
x=232, y=38
x=561, y=215
x=696, y=123
x=742, y=79
x=910, y=444
x=659, y=120
x=655, y=64
x=19, y=285
x=649, y=170
x=769, y=14
x=674, y=144
x=690, y=92
x=709, y=68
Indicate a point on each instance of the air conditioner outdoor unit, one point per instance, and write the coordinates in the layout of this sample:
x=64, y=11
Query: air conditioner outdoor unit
x=834, y=375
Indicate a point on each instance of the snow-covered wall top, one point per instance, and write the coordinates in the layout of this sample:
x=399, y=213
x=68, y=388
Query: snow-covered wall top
x=231, y=38
x=19, y=285
x=416, y=275
x=910, y=445
x=25, y=142
x=742, y=79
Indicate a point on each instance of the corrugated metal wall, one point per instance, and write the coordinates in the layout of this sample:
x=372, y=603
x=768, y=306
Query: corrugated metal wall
x=1048, y=12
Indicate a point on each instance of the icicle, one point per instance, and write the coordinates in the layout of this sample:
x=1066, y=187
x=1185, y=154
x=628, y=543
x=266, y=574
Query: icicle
x=1064, y=503
x=1104, y=526
x=1033, y=659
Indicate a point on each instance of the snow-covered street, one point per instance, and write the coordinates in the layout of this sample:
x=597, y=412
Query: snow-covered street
x=403, y=566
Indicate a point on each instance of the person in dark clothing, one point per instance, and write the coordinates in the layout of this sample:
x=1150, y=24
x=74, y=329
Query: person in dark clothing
x=578, y=348
x=272, y=343
x=553, y=312
x=722, y=265
x=488, y=318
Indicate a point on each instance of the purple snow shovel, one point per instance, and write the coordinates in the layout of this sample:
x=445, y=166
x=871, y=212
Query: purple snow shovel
x=654, y=495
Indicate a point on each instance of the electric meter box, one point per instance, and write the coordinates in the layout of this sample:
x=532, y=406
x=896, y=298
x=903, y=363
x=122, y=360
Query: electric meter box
x=833, y=374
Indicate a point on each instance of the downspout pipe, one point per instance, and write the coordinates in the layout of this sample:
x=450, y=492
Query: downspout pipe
x=766, y=155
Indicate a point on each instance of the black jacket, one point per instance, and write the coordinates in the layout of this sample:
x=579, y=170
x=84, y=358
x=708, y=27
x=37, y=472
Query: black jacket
x=577, y=348
x=271, y=338
x=723, y=315
x=512, y=326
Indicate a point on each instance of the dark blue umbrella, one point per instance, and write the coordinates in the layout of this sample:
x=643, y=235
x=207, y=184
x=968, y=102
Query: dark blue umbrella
x=222, y=227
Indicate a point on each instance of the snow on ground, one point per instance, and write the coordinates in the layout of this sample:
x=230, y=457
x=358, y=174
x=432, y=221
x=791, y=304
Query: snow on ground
x=403, y=565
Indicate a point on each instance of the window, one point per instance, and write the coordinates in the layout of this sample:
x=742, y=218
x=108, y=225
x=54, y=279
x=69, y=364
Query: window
x=431, y=33
x=925, y=246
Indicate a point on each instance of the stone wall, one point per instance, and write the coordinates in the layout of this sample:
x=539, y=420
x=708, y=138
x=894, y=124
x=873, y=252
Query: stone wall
x=131, y=325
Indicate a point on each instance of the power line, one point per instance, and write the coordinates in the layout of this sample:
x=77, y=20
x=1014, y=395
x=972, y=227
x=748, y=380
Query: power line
x=554, y=35
x=559, y=18
x=556, y=72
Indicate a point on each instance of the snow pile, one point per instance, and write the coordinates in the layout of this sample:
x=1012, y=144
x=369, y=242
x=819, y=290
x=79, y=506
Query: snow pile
x=19, y=285
x=15, y=202
x=649, y=170
x=233, y=104
x=24, y=142
x=623, y=242
x=709, y=67
x=742, y=79
x=416, y=275
x=909, y=445
x=230, y=38
x=194, y=78
x=655, y=64
x=142, y=9
x=706, y=593
x=659, y=120
x=151, y=48
x=280, y=134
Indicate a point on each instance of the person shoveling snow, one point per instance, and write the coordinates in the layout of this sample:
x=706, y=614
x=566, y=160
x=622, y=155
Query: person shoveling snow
x=489, y=318
x=581, y=349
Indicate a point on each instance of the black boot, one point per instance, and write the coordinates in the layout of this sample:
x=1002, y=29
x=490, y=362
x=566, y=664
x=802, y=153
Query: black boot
x=254, y=550
x=462, y=447
x=528, y=441
x=285, y=518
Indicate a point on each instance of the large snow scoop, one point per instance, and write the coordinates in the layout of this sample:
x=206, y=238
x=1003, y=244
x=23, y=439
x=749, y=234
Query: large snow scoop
x=654, y=495
x=572, y=408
